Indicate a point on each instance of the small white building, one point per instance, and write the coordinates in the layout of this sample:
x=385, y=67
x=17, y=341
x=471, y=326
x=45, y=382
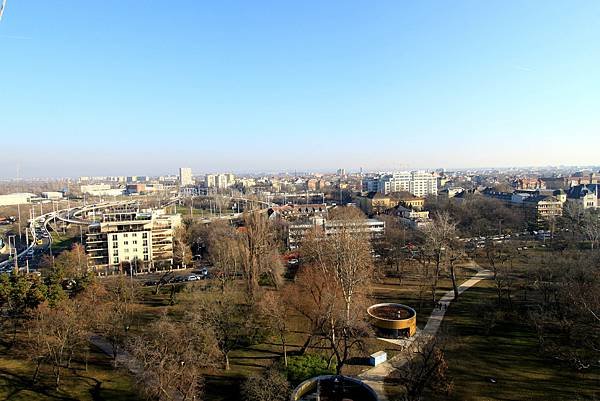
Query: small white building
x=377, y=358
x=52, y=195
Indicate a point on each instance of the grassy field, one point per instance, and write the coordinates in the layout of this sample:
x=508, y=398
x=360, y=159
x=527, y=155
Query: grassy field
x=100, y=382
x=507, y=353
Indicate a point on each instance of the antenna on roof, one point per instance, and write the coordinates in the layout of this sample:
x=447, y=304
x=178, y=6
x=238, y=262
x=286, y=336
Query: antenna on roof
x=2, y=9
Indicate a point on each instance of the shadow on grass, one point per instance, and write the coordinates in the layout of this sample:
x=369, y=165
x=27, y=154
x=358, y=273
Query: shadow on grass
x=15, y=384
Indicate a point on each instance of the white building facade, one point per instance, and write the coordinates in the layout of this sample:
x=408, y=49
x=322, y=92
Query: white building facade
x=418, y=183
x=185, y=177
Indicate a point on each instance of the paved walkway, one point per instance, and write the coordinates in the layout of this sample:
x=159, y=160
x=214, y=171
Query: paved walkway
x=375, y=376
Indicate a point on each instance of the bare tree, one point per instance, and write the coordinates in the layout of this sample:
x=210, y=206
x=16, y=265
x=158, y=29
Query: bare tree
x=258, y=251
x=346, y=213
x=271, y=386
x=224, y=252
x=499, y=258
x=275, y=310
x=227, y=316
x=344, y=259
x=115, y=313
x=425, y=370
x=169, y=357
x=573, y=217
x=311, y=295
x=182, y=253
x=438, y=237
x=61, y=330
x=591, y=228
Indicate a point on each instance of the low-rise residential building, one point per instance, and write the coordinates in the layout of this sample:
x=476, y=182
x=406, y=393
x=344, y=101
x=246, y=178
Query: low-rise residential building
x=375, y=203
x=373, y=228
x=542, y=209
x=447, y=193
x=583, y=178
x=409, y=200
x=585, y=195
x=412, y=218
x=529, y=183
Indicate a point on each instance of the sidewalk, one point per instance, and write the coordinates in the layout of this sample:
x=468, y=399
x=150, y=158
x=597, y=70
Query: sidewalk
x=375, y=377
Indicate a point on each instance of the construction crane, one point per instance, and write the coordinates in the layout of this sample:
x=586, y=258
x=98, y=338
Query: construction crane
x=2, y=9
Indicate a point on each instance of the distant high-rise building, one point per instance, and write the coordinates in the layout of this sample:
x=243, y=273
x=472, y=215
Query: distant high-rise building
x=341, y=171
x=185, y=176
x=220, y=181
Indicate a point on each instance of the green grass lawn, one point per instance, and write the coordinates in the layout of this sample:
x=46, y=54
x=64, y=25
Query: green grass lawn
x=62, y=242
x=509, y=354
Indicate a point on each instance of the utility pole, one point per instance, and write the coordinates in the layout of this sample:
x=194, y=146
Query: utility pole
x=19, y=217
x=18, y=181
x=14, y=246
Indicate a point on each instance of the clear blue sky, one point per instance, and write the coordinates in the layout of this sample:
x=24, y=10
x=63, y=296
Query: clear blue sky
x=142, y=87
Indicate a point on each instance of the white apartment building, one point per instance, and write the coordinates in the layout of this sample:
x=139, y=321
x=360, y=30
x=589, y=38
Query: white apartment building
x=185, y=177
x=423, y=183
x=131, y=238
x=418, y=183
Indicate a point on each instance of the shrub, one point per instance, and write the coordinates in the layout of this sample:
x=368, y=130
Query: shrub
x=303, y=367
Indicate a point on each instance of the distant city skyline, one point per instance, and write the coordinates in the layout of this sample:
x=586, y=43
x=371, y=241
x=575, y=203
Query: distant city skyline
x=201, y=173
x=114, y=88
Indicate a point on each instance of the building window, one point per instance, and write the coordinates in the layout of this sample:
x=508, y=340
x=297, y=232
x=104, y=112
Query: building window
x=146, y=257
x=126, y=257
x=115, y=237
x=125, y=235
x=115, y=252
x=145, y=250
x=134, y=242
x=145, y=243
x=126, y=250
x=116, y=260
x=134, y=235
x=145, y=235
x=125, y=242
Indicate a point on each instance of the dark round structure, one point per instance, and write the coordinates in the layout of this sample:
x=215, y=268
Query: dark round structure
x=393, y=320
x=333, y=388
